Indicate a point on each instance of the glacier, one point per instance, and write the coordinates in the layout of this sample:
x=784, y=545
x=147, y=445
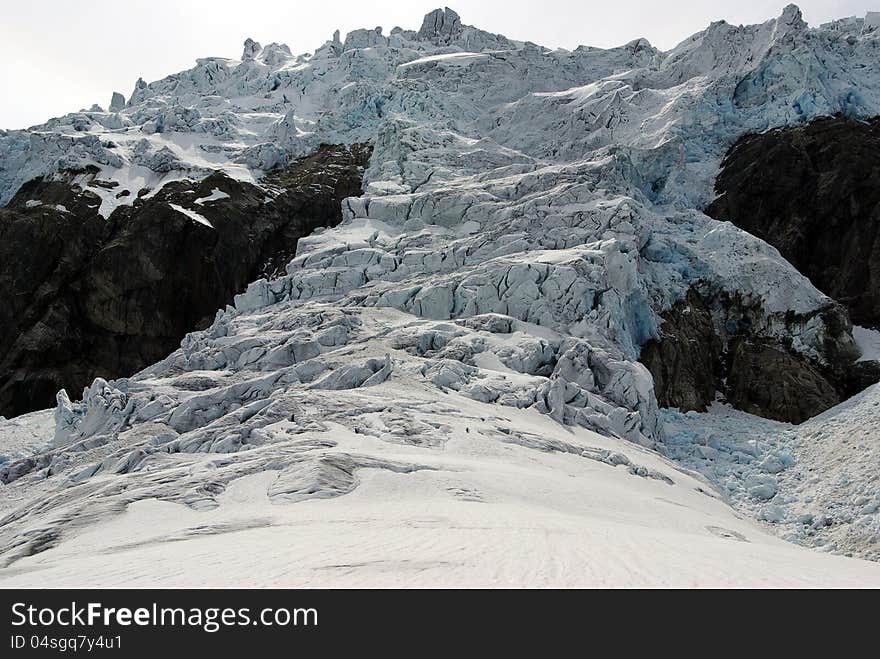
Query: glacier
x=469, y=335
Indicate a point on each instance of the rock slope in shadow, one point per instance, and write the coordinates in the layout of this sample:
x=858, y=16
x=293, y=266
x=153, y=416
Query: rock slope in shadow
x=813, y=192
x=87, y=297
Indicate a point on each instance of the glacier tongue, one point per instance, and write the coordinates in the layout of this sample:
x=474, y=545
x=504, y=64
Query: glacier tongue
x=528, y=214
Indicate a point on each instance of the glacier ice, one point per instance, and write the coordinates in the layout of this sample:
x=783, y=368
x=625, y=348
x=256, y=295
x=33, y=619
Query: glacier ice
x=816, y=482
x=528, y=214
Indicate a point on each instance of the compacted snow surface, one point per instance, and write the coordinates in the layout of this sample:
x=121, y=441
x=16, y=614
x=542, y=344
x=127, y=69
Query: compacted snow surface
x=507, y=498
x=445, y=389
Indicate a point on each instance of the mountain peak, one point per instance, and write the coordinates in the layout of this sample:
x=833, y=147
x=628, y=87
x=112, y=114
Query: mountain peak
x=440, y=23
x=792, y=17
x=251, y=50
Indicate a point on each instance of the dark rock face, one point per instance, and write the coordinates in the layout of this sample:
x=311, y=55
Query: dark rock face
x=685, y=363
x=711, y=344
x=86, y=297
x=776, y=383
x=813, y=192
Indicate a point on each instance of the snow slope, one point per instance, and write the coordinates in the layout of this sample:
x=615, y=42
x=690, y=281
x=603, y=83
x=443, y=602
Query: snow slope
x=447, y=492
x=438, y=389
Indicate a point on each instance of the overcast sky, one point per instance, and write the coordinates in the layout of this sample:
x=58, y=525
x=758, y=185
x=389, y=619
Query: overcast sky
x=59, y=56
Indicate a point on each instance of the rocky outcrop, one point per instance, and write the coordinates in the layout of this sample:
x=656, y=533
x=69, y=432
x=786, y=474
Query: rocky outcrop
x=685, y=363
x=813, y=192
x=441, y=25
x=713, y=345
x=86, y=297
x=776, y=383
x=117, y=102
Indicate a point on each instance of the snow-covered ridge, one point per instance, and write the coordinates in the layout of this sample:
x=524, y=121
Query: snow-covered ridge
x=248, y=115
x=527, y=215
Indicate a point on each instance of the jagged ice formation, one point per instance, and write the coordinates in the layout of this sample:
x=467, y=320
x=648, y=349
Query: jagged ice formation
x=528, y=215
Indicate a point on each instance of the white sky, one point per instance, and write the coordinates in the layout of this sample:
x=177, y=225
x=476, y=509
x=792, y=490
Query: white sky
x=59, y=56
